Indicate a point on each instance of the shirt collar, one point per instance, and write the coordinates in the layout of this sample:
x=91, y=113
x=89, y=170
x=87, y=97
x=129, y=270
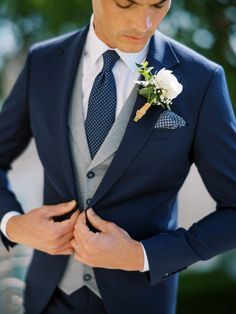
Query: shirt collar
x=95, y=47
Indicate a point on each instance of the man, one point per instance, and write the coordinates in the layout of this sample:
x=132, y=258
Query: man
x=77, y=97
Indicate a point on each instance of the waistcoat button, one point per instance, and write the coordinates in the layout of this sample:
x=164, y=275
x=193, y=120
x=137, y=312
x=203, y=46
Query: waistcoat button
x=88, y=201
x=90, y=174
x=87, y=277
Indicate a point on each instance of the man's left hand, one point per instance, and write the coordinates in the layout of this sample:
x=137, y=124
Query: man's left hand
x=111, y=248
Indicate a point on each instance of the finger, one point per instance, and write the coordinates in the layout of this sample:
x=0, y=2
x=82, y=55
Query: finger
x=81, y=229
x=78, y=247
x=67, y=225
x=97, y=221
x=73, y=243
x=59, y=244
x=65, y=239
x=82, y=259
x=61, y=209
x=72, y=220
x=74, y=216
x=67, y=247
x=68, y=251
x=78, y=257
x=81, y=219
x=64, y=227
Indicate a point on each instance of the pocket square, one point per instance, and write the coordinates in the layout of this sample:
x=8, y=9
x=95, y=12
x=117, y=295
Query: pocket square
x=169, y=120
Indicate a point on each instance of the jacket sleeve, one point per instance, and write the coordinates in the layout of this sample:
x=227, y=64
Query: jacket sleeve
x=15, y=134
x=214, y=151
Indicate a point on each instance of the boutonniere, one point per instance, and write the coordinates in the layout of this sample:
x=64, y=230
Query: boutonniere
x=159, y=88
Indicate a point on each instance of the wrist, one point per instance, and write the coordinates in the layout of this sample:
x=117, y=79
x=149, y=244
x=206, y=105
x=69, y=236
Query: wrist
x=12, y=228
x=138, y=256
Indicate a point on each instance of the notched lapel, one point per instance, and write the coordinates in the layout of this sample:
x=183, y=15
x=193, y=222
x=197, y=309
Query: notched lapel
x=160, y=55
x=64, y=69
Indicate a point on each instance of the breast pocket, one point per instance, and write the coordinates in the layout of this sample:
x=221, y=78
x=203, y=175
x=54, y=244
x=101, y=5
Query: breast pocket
x=168, y=133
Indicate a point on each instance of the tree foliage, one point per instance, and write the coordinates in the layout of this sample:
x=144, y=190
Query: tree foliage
x=207, y=26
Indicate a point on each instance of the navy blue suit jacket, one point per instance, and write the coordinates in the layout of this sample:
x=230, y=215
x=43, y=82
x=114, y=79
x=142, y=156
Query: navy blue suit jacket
x=139, y=190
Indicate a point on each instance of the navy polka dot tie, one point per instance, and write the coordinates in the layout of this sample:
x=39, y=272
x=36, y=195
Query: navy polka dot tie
x=102, y=104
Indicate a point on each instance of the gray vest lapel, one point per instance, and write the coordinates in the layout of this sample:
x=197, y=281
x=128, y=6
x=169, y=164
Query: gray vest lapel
x=77, y=128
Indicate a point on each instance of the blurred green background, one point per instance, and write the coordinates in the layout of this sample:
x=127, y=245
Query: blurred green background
x=209, y=27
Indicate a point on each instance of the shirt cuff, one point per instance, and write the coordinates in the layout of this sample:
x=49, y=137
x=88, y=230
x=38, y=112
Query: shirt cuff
x=146, y=263
x=3, y=225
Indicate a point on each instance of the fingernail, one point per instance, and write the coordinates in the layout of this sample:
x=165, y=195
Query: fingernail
x=71, y=203
x=91, y=210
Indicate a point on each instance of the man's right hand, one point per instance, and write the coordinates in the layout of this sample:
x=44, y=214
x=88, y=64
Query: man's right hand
x=38, y=230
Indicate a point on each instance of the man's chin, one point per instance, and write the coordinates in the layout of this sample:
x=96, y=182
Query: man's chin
x=131, y=48
x=132, y=44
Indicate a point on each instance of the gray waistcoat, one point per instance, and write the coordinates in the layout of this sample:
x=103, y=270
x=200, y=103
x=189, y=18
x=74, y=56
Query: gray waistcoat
x=77, y=274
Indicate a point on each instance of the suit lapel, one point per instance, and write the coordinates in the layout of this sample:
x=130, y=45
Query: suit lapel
x=65, y=65
x=160, y=55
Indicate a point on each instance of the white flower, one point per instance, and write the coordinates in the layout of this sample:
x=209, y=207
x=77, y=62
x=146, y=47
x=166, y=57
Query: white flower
x=159, y=88
x=166, y=81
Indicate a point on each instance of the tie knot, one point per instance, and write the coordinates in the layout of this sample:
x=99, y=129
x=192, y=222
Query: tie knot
x=110, y=57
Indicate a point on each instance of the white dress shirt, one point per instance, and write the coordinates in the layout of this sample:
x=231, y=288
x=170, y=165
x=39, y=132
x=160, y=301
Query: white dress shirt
x=125, y=73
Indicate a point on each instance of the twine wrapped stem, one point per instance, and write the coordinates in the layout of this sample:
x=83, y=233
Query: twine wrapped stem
x=142, y=111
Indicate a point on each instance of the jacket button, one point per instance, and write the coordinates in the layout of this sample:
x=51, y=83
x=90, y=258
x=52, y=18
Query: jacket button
x=90, y=174
x=87, y=277
x=88, y=201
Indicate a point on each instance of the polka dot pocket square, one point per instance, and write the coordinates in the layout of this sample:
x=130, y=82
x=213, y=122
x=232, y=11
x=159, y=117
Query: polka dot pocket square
x=169, y=120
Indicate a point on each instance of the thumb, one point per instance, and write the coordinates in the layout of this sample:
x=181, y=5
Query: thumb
x=61, y=209
x=97, y=221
